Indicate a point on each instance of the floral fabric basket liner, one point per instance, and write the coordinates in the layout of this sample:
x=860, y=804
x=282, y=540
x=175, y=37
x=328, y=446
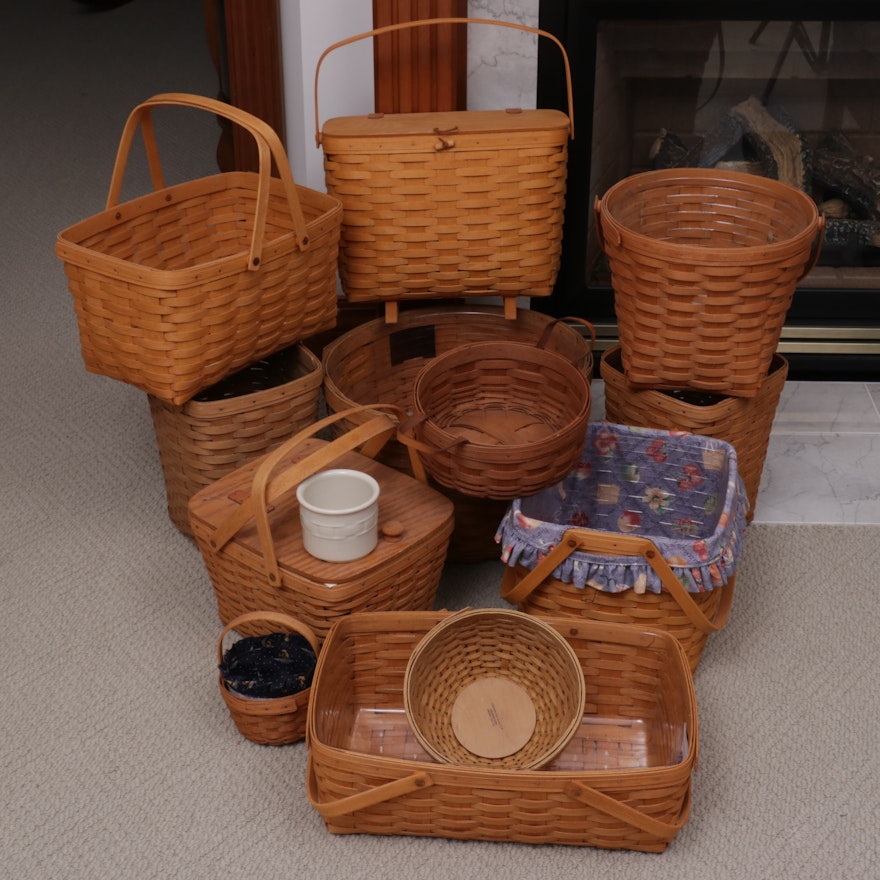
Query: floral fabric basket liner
x=681, y=490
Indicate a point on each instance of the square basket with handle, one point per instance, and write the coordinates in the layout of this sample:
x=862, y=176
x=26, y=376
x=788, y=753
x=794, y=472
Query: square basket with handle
x=176, y=289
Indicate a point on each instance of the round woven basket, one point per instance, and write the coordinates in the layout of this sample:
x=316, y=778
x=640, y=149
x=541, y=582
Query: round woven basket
x=744, y=423
x=464, y=679
x=378, y=362
x=273, y=721
x=498, y=419
x=704, y=264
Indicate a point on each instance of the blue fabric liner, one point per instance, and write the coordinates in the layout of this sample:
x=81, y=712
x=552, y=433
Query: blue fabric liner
x=682, y=491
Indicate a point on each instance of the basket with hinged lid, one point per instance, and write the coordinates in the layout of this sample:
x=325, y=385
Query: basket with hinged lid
x=248, y=528
x=448, y=204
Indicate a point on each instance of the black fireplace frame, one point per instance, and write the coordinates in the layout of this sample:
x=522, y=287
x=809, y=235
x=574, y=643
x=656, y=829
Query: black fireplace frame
x=829, y=334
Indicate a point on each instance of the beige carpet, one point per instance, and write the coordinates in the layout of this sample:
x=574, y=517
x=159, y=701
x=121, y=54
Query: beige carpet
x=118, y=758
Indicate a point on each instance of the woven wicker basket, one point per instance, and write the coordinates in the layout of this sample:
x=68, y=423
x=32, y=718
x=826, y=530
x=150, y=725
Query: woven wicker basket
x=248, y=529
x=744, y=423
x=449, y=204
x=704, y=264
x=278, y=720
x=647, y=529
x=623, y=781
x=211, y=436
x=379, y=362
x=177, y=289
x=690, y=617
x=498, y=419
x=494, y=688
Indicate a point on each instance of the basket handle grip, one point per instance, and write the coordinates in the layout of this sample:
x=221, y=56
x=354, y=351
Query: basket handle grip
x=548, y=332
x=600, y=228
x=615, y=544
x=371, y=436
x=387, y=29
x=274, y=617
x=625, y=813
x=817, y=248
x=364, y=799
x=268, y=147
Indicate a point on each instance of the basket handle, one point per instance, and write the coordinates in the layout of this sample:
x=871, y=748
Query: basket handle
x=273, y=617
x=625, y=813
x=600, y=229
x=548, y=332
x=614, y=544
x=268, y=147
x=387, y=29
x=817, y=248
x=363, y=799
x=371, y=436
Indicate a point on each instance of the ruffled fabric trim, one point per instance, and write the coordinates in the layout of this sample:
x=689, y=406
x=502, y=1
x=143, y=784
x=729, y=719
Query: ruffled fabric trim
x=682, y=491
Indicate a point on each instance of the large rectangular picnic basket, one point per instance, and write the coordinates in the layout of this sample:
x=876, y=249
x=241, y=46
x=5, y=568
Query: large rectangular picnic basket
x=248, y=529
x=622, y=782
x=178, y=288
x=448, y=204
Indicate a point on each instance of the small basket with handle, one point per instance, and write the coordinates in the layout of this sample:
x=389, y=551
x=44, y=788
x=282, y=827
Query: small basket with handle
x=274, y=720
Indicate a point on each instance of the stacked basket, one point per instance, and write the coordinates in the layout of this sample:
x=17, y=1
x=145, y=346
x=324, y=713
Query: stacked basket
x=704, y=264
x=448, y=205
x=201, y=293
x=649, y=526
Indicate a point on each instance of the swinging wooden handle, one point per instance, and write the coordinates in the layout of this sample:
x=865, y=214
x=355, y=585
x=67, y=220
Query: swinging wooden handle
x=615, y=544
x=269, y=147
x=435, y=21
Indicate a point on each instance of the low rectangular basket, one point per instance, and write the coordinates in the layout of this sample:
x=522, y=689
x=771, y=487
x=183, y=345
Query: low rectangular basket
x=176, y=289
x=647, y=529
x=704, y=265
x=233, y=422
x=745, y=423
x=448, y=204
x=248, y=529
x=623, y=781
x=379, y=362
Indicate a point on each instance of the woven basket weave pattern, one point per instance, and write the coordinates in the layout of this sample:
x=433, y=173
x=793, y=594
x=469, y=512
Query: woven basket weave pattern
x=276, y=721
x=429, y=226
x=491, y=642
x=636, y=680
x=486, y=382
x=202, y=441
x=379, y=362
x=704, y=265
x=177, y=289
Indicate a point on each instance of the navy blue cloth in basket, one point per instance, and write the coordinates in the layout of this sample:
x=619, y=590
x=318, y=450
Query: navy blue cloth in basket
x=682, y=491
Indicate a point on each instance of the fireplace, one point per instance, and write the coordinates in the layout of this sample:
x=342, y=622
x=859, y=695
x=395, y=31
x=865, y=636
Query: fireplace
x=658, y=84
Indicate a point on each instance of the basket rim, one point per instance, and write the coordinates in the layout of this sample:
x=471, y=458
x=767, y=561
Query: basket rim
x=478, y=351
x=614, y=779
x=757, y=253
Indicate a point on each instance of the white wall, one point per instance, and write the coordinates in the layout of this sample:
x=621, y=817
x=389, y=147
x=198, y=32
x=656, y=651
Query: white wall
x=308, y=27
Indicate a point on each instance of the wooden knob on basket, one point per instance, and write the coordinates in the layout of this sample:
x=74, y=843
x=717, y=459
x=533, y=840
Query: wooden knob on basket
x=392, y=530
